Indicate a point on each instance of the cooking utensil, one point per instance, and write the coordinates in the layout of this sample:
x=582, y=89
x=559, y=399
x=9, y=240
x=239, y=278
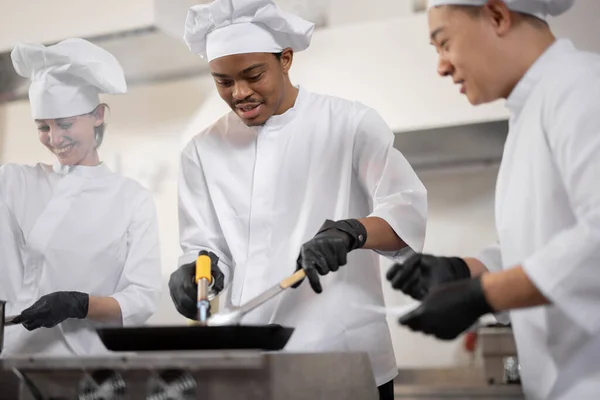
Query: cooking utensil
x=173, y=338
x=203, y=279
x=233, y=315
x=222, y=332
x=4, y=321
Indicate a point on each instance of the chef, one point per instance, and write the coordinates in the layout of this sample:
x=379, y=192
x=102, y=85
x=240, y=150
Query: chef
x=292, y=179
x=88, y=237
x=545, y=269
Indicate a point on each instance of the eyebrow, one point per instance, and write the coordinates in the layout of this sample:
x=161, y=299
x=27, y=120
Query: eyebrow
x=244, y=71
x=58, y=120
x=435, y=33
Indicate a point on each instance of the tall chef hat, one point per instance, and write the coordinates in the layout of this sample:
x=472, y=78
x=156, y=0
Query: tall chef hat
x=66, y=78
x=226, y=27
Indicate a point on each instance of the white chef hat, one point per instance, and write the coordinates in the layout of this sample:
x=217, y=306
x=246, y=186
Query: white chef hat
x=226, y=27
x=67, y=77
x=538, y=8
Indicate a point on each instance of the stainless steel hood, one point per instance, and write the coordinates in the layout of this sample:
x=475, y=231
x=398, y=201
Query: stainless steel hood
x=148, y=52
x=453, y=147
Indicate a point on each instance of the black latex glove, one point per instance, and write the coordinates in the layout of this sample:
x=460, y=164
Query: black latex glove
x=328, y=249
x=52, y=309
x=422, y=272
x=183, y=287
x=449, y=310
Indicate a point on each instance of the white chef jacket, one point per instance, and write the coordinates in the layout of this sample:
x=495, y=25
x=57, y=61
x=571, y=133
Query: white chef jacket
x=82, y=229
x=254, y=195
x=548, y=220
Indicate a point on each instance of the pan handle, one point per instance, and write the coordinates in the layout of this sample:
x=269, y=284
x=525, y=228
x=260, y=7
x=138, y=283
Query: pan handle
x=293, y=279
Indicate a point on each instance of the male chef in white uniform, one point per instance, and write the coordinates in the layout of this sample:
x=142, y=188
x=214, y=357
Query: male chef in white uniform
x=545, y=269
x=291, y=179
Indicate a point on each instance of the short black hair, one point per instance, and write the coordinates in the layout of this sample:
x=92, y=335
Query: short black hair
x=474, y=12
x=278, y=55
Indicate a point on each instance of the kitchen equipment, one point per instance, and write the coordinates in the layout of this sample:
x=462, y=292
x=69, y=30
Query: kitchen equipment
x=499, y=351
x=207, y=375
x=173, y=338
x=4, y=321
x=203, y=279
x=233, y=315
x=222, y=332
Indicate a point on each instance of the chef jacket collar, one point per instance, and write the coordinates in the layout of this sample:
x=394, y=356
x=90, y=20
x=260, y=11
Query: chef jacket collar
x=81, y=170
x=519, y=95
x=278, y=121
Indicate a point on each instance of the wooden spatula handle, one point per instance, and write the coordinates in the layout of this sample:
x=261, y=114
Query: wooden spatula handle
x=293, y=279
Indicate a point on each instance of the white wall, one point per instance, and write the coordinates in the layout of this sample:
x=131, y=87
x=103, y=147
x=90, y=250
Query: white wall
x=47, y=21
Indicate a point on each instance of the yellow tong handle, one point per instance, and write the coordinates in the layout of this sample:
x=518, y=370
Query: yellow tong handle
x=203, y=268
x=293, y=279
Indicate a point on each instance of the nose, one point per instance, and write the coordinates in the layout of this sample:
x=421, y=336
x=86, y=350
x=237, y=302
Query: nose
x=241, y=90
x=56, y=137
x=444, y=67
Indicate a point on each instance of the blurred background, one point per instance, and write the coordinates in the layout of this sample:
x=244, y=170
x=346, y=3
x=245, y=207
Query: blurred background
x=376, y=52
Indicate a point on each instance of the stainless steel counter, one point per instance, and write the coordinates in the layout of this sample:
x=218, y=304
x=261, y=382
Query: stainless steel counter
x=216, y=375
x=451, y=383
x=508, y=392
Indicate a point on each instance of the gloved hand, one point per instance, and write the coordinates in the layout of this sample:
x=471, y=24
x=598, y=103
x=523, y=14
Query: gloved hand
x=449, y=309
x=422, y=272
x=329, y=248
x=183, y=287
x=52, y=309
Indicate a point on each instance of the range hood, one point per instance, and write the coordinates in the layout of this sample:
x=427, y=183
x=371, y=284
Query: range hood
x=460, y=146
x=144, y=35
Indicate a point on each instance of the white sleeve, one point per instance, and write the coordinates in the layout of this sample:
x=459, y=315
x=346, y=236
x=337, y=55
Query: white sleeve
x=398, y=196
x=491, y=257
x=567, y=269
x=199, y=227
x=140, y=284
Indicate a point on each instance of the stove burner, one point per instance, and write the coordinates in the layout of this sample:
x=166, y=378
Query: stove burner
x=102, y=385
x=172, y=385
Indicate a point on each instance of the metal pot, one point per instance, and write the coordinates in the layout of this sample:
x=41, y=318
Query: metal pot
x=2, y=305
x=4, y=321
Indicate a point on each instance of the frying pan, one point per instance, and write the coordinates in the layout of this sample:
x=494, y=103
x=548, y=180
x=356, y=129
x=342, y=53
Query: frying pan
x=173, y=338
x=224, y=334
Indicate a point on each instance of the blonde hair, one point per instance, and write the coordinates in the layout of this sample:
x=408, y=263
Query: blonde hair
x=100, y=129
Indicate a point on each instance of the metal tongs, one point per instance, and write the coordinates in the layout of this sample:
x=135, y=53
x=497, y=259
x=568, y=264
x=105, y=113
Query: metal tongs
x=233, y=315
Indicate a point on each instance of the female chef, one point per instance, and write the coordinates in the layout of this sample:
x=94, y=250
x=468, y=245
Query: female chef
x=90, y=250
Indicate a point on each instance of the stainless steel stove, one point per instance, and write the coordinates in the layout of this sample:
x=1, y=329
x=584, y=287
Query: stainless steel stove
x=210, y=375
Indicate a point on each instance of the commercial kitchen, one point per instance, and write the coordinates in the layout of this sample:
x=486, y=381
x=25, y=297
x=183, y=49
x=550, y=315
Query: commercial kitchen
x=376, y=53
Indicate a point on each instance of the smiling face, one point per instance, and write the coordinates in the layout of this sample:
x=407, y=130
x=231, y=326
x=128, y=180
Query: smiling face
x=470, y=48
x=253, y=84
x=72, y=140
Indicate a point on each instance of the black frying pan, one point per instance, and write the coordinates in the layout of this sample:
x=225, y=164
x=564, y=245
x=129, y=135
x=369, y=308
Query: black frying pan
x=171, y=338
